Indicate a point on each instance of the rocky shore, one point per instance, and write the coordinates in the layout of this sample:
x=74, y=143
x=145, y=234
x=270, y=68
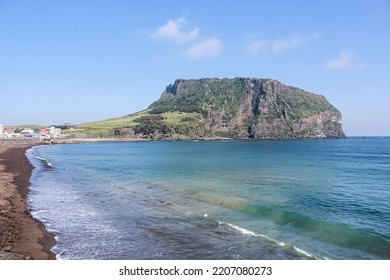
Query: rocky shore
x=21, y=236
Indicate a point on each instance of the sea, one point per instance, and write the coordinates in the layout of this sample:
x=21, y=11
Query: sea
x=248, y=200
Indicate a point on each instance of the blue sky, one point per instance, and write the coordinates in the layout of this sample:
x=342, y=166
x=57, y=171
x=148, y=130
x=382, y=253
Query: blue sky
x=79, y=61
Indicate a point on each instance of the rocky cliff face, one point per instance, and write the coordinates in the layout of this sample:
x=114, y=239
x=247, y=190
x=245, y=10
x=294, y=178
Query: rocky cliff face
x=252, y=108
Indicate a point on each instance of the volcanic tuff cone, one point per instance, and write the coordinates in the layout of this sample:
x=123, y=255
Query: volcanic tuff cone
x=251, y=108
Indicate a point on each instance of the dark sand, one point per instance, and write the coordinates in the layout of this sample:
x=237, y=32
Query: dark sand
x=21, y=236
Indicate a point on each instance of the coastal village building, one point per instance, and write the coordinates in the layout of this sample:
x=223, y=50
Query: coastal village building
x=1, y=129
x=26, y=131
x=9, y=130
x=44, y=131
x=54, y=130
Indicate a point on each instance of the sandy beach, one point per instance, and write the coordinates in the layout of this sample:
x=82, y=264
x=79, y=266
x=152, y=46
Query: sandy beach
x=21, y=236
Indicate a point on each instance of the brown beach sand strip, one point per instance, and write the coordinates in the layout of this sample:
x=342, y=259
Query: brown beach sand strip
x=21, y=236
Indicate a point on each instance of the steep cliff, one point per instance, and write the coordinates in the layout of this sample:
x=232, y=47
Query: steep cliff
x=249, y=108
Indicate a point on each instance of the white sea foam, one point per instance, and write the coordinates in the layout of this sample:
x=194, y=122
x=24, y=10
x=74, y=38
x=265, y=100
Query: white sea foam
x=252, y=233
x=38, y=212
x=48, y=163
x=280, y=243
x=303, y=252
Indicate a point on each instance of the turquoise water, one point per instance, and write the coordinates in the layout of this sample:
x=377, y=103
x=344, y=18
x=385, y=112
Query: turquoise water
x=298, y=199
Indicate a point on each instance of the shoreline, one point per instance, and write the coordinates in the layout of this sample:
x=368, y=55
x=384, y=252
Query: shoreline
x=22, y=237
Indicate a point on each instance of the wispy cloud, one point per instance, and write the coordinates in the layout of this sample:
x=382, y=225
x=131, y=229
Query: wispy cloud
x=209, y=47
x=191, y=46
x=345, y=60
x=173, y=29
x=281, y=44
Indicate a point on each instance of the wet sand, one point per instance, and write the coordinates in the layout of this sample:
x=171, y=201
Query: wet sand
x=21, y=236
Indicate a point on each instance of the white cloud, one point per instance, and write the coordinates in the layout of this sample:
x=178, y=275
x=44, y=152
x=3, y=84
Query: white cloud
x=173, y=30
x=281, y=44
x=208, y=47
x=258, y=46
x=345, y=60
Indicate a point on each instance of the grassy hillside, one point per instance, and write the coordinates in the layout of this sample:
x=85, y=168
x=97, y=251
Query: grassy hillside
x=178, y=123
x=108, y=126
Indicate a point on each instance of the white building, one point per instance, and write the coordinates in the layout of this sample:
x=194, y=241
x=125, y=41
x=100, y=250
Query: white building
x=1, y=129
x=27, y=131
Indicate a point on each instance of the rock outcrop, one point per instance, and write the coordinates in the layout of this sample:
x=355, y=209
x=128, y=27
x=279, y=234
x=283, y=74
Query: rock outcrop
x=245, y=108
